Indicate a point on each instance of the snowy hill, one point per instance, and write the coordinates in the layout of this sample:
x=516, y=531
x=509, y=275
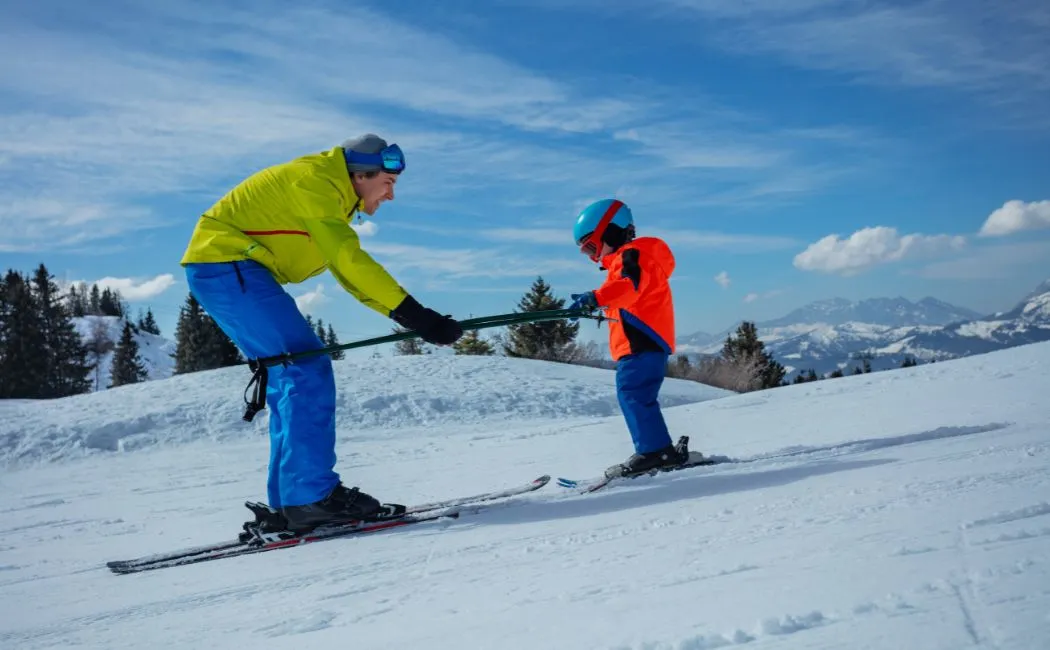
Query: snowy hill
x=375, y=398
x=829, y=334
x=905, y=509
x=155, y=350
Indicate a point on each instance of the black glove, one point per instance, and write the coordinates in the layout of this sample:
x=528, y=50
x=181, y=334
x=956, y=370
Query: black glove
x=430, y=325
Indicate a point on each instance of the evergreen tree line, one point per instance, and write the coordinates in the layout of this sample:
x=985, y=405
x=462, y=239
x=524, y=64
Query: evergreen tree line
x=42, y=355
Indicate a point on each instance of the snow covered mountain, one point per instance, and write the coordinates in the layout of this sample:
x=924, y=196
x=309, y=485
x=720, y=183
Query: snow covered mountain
x=830, y=334
x=905, y=509
x=155, y=351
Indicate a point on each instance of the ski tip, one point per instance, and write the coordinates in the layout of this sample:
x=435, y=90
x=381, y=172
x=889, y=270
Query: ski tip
x=542, y=480
x=568, y=483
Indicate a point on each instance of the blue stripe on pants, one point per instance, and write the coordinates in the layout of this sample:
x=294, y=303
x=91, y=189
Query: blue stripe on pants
x=638, y=381
x=263, y=320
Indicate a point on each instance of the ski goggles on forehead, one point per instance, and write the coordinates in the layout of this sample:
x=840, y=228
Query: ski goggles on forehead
x=390, y=159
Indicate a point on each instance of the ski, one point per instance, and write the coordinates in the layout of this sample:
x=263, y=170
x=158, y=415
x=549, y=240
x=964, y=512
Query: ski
x=586, y=486
x=237, y=548
x=247, y=544
x=695, y=459
x=524, y=488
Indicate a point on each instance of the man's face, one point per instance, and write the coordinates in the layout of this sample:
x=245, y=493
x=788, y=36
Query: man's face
x=374, y=191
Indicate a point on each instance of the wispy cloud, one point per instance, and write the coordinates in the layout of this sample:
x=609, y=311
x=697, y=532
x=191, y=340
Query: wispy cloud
x=871, y=247
x=713, y=240
x=722, y=279
x=165, y=100
x=137, y=290
x=441, y=264
x=999, y=261
x=968, y=45
x=1016, y=216
x=754, y=296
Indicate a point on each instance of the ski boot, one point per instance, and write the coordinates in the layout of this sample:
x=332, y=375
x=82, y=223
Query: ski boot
x=343, y=505
x=653, y=461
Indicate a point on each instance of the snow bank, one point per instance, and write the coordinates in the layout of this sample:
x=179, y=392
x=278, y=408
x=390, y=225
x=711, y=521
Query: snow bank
x=374, y=395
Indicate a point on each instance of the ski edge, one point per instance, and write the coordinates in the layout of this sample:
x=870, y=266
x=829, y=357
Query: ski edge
x=411, y=515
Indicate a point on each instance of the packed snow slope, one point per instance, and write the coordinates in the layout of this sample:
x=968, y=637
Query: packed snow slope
x=900, y=509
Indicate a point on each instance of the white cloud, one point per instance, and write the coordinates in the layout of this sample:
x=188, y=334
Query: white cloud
x=870, y=247
x=135, y=290
x=723, y=279
x=366, y=228
x=1016, y=216
x=311, y=300
x=751, y=297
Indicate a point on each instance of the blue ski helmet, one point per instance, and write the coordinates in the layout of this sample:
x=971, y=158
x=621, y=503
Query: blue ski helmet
x=593, y=223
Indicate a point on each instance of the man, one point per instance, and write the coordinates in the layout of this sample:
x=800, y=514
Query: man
x=641, y=326
x=285, y=224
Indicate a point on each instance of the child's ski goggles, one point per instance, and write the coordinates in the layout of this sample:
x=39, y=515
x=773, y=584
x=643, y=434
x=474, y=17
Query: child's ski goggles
x=591, y=243
x=390, y=159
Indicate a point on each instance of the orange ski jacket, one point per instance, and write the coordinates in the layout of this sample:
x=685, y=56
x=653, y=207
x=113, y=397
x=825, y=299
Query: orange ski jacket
x=638, y=296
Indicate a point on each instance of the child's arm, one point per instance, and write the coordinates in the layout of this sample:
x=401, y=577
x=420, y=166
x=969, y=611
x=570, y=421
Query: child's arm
x=634, y=280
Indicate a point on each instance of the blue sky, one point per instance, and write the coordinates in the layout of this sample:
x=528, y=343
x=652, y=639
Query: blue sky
x=787, y=151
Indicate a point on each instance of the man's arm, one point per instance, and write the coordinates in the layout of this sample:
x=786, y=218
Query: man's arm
x=353, y=268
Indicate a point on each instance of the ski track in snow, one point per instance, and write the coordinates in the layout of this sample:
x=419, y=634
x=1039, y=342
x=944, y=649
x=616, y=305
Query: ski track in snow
x=903, y=509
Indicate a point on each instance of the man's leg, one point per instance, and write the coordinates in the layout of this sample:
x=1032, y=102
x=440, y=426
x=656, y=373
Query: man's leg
x=263, y=320
x=638, y=381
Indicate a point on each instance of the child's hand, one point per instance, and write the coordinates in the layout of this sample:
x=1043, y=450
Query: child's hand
x=584, y=301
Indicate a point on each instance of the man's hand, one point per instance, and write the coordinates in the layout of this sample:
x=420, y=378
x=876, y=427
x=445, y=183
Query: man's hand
x=431, y=326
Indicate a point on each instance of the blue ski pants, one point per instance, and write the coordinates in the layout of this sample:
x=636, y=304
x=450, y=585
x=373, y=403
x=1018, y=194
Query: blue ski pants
x=263, y=320
x=638, y=381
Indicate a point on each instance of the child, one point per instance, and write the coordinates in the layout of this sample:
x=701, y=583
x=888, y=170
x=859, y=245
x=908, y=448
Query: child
x=641, y=326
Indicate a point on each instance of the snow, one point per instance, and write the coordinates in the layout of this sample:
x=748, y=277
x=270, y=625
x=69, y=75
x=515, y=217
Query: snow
x=898, y=509
x=154, y=351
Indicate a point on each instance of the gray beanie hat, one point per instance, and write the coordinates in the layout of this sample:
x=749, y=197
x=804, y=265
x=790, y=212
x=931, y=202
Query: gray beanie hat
x=367, y=143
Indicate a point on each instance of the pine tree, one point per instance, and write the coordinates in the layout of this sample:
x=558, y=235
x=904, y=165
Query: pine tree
x=64, y=352
x=835, y=374
x=472, y=344
x=189, y=337
x=147, y=322
x=127, y=366
x=549, y=340
x=95, y=302
x=23, y=364
x=747, y=352
x=200, y=344
x=76, y=305
x=78, y=300
x=409, y=346
x=333, y=341
x=321, y=335
x=219, y=350
x=909, y=362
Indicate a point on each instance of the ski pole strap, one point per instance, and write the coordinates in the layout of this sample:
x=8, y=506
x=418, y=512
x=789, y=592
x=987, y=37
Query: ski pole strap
x=260, y=375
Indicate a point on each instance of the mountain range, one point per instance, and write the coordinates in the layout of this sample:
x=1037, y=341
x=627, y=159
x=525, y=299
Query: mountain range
x=832, y=334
